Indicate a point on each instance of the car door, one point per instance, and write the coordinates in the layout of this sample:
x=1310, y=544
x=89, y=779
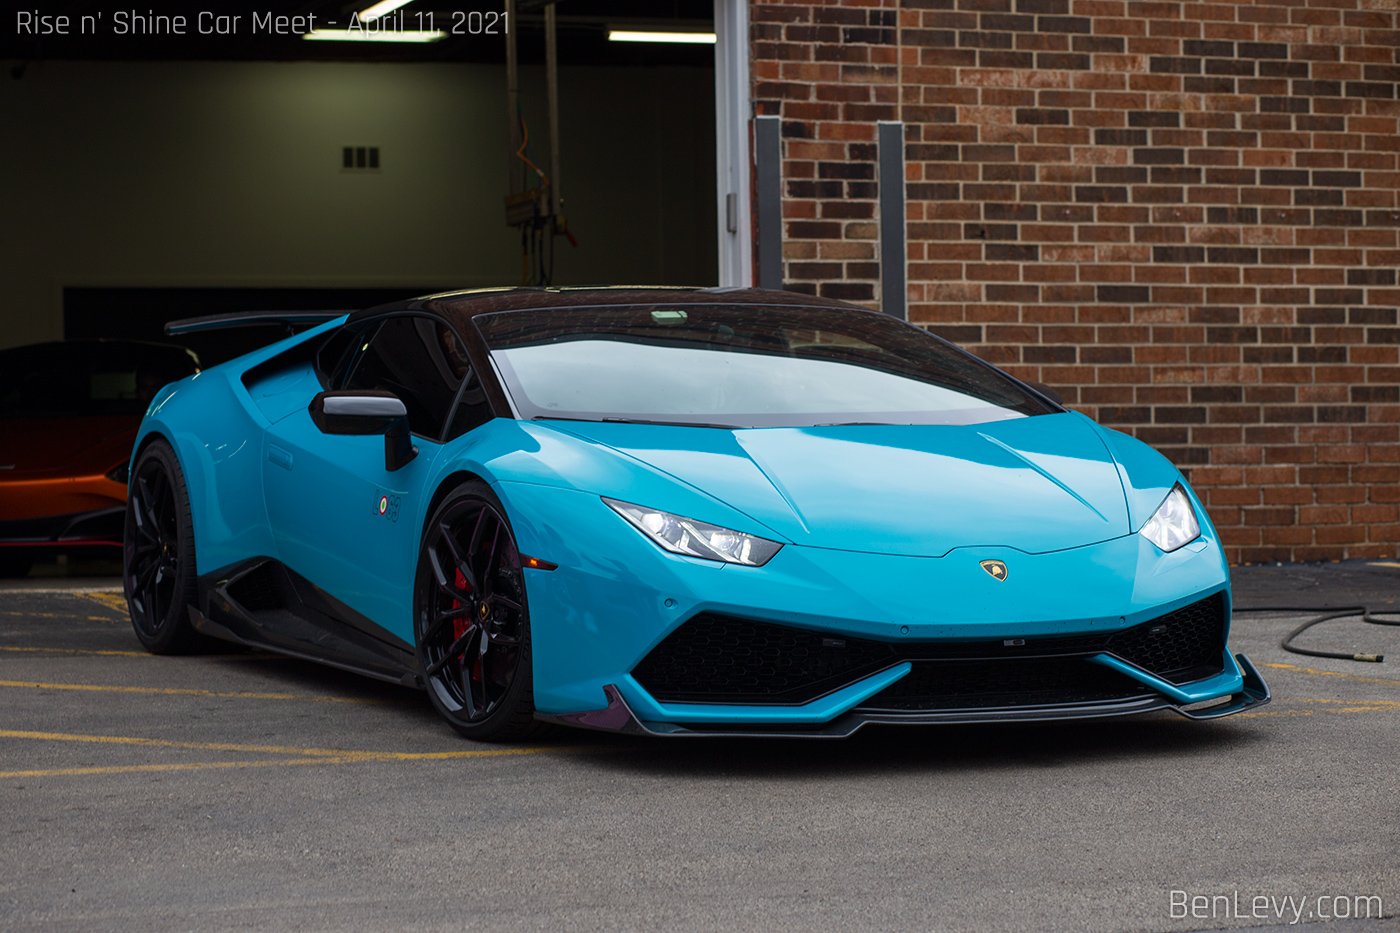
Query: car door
x=338, y=516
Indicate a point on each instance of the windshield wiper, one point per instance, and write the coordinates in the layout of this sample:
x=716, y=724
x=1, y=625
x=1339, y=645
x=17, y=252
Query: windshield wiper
x=676, y=424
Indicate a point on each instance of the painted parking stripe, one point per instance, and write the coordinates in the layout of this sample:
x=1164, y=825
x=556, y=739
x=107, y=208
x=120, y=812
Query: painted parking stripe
x=192, y=692
x=195, y=766
x=1308, y=670
x=247, y=656
x=304, y=756
x=347, y=753
x=92, y=651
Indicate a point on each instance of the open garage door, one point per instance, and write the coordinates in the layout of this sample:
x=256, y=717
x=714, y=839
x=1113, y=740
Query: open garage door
x=263, y=160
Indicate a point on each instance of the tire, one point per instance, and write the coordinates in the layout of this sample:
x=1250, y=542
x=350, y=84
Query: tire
x=471, y=619
x=158, y=569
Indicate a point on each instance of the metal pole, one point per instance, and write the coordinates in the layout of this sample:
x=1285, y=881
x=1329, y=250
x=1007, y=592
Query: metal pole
x=733, y=109
x=512, y=92
x=893, y=255
x=768, y=169
x=551, y=65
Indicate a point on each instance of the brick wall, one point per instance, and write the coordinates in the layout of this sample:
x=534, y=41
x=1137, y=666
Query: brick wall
x=1182, y=215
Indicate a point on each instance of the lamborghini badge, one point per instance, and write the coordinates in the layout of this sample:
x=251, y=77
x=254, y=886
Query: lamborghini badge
x=996, y=568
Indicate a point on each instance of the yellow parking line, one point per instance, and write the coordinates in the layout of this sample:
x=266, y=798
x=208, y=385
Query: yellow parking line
x=1309, y=670
x=194, y=766
x=114, y=601
x=308, y=756
x=189, y=691
x=1342, y=706
x=345, y=753
x=124, y=654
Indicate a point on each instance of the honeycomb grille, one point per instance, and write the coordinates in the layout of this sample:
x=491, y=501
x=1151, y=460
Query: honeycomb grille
x=933, y=685
x=720, y=658
x=1182, y=646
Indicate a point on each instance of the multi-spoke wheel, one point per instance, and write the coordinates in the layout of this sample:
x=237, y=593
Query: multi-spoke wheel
x=158, y=550
x=471, y=619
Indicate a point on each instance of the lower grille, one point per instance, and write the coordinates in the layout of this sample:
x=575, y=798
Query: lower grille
x=714, y=658
x=1179, y=647
x=723, y=659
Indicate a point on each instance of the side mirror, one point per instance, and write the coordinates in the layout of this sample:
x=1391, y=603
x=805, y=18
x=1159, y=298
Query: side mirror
x=1048, y=392
x=354, y=411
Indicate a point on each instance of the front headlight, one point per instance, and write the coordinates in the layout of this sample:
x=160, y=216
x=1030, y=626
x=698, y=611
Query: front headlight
x=1174, y=523
x=696, y=539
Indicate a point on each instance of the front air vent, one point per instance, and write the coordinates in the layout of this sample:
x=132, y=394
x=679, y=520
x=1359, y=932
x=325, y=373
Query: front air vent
x=359, y=159
x=715, y=658
x=721, y=659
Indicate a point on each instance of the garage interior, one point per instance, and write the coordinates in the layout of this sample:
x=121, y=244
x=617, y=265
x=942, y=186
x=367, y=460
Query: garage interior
x=157, y=177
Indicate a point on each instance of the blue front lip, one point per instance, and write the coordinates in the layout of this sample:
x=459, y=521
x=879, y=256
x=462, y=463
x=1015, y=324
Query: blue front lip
x=1228, y=682
x=822, y=709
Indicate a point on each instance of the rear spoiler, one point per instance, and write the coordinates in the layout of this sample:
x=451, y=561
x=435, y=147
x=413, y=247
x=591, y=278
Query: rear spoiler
x=292, y=320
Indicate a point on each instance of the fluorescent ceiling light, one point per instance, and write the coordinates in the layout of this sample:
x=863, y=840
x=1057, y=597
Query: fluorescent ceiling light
x=626, y=35
x=379, y=9
x=376, y=35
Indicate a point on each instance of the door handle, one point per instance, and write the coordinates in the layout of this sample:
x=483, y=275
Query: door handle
x=277, y=455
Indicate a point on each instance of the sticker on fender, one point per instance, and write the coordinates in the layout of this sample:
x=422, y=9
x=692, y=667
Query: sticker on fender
x=387, y=505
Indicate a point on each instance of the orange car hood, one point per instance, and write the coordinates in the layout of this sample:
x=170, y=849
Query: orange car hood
x=45, y=448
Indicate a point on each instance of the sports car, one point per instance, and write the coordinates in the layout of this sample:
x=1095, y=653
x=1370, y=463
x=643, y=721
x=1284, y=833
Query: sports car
x=675, y=512
x=69, y=411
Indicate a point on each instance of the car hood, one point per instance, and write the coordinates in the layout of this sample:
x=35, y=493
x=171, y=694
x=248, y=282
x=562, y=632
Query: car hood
x=1037, y=484
x=35, y=448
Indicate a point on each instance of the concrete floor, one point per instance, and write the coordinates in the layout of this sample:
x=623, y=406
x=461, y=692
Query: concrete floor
x=242, y=791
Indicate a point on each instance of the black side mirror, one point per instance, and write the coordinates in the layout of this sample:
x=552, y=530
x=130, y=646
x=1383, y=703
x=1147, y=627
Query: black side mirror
x=354, y=411
x=1048, y=392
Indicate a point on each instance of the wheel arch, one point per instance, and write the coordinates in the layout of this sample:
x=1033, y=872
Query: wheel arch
x=150, y=437
x=445, y=485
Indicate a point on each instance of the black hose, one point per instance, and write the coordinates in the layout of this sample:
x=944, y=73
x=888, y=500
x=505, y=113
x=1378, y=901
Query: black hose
x=1332, y=612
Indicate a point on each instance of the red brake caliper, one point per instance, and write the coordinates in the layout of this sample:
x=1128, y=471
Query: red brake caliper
x=462, y=623
x=459, y=624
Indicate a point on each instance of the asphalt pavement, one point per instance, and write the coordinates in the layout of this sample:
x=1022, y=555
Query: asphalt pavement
x=239, y=790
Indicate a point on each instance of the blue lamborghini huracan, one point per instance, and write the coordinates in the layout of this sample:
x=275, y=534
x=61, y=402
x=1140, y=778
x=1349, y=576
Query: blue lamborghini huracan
x=675, y=512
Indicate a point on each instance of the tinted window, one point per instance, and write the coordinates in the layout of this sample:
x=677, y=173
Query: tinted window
x=473, y=410
x=333, y=358
x=88, y=377
x=739, y=366
x=420, y=360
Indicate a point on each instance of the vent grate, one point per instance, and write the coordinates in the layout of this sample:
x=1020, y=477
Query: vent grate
x=359, y=158
x=723, y=659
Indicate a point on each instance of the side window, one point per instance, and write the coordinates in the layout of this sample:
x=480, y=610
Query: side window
x=473, y=410
x=333, y=359
x=420, y=361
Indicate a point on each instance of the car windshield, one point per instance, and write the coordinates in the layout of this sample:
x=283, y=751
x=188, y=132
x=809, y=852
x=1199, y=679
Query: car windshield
x=88, y=377
x=740, y=366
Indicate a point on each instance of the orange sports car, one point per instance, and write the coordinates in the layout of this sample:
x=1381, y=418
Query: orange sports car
x=69, y=411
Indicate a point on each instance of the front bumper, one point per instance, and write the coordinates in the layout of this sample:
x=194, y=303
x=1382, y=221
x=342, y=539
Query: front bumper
x=608, y=607
x=619, y=715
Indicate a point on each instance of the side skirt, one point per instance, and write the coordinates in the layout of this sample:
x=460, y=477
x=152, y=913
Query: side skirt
x=263, y=604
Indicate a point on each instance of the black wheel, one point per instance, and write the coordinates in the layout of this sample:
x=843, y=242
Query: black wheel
x=158, y=549
x=471, y=620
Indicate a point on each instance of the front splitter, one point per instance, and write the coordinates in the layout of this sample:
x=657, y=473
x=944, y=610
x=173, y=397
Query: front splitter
x=619, y=717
